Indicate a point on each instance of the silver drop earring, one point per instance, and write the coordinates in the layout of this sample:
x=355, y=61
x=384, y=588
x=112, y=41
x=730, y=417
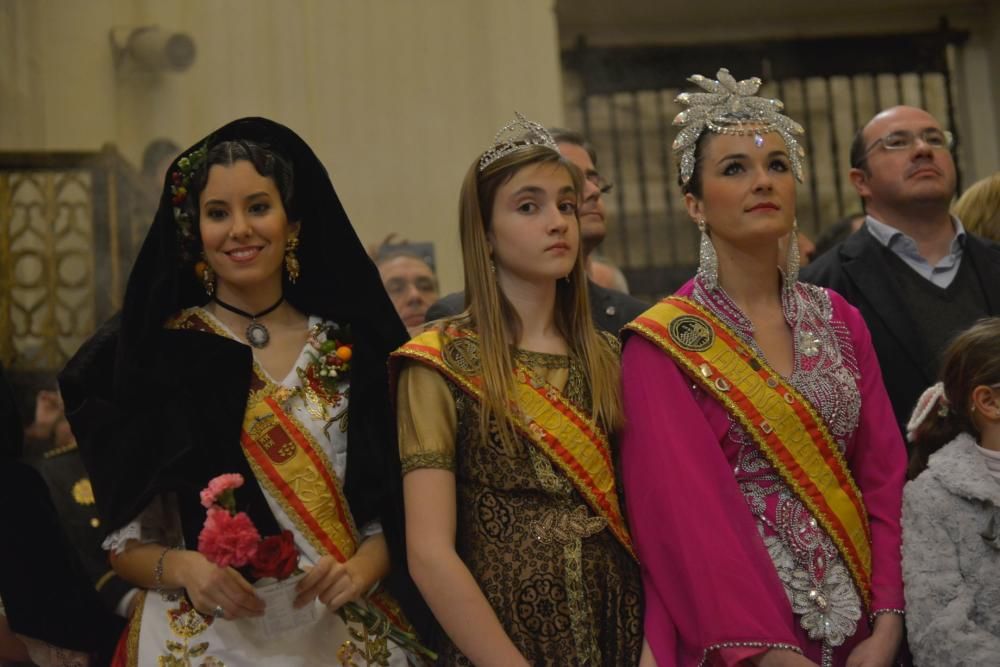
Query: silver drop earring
x=708, y=261
x=792, y=257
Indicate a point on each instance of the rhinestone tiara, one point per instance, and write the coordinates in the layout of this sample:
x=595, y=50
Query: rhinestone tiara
x=729, y=106
x=515, y=135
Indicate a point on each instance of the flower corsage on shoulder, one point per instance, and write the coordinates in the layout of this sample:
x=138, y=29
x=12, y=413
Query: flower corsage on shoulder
x=325, y=378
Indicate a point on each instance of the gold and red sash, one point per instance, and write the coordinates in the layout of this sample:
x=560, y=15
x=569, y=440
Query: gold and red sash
x=292, y=467
x=570, y=439
x=289, y=463
x=781, y=421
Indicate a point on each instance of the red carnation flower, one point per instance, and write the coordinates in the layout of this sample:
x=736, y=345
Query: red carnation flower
x=276, y=557
x=228, y=540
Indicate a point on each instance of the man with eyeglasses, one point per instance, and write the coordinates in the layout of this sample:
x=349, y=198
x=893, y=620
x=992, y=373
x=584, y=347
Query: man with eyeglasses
x=912, y=270
x=611, y=310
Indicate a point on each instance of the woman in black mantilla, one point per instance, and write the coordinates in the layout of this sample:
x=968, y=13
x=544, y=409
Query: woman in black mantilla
x=250, y=266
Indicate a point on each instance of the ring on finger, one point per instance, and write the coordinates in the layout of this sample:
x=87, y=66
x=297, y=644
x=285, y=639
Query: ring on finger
x=219, y=612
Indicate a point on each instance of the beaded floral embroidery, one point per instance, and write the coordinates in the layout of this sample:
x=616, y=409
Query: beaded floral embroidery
x=324, y=379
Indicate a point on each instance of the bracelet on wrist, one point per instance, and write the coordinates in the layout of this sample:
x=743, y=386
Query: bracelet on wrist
x=158, y=570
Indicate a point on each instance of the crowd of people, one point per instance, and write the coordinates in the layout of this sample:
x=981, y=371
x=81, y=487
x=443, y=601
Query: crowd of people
x=298, y=455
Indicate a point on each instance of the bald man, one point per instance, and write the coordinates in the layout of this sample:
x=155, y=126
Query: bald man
x=912, y=270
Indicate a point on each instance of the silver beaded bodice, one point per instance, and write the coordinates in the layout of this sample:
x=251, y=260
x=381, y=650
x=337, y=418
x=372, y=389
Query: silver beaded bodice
x=815, y=578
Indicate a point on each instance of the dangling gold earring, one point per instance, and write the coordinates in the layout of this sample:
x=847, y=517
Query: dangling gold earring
x=206, y=275
x=291, y=261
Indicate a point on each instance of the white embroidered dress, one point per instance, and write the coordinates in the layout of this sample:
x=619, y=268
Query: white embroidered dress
x=172, y=633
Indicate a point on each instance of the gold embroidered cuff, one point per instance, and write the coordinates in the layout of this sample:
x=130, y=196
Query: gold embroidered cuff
x=442, y=460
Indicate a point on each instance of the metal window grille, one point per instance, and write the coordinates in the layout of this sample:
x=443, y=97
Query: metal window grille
x=831, y=85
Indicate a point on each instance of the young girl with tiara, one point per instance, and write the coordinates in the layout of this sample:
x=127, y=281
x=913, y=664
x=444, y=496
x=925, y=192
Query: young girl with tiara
x=951, y=508
x=515, y=534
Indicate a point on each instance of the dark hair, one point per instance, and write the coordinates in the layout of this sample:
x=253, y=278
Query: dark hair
x=422, y=252
x=563, y=136
x=266, y=161
x=693, y=186
x=970, y=360
x=857, y=154
x=858, y=158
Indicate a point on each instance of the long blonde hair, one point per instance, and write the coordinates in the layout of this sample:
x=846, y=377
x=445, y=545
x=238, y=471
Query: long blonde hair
x=492, y=315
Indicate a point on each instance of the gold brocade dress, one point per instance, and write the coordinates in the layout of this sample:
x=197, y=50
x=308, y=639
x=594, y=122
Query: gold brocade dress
x=564, y=589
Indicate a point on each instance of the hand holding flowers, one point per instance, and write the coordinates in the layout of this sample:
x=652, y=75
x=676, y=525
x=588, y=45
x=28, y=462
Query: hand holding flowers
x=229, y=539
x=209, y=586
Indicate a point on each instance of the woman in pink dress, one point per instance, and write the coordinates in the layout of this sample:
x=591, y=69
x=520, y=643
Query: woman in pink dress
x=761, y=462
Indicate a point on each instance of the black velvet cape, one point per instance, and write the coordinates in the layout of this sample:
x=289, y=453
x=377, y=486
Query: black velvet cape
x=159, y=410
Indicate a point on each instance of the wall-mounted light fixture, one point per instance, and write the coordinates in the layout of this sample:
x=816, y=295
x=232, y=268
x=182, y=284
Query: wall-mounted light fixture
x=152, y=48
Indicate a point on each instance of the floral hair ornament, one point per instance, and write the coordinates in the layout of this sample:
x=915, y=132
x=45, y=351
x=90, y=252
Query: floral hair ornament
x=180, y=182
x=515, y=135
x=933, y=399
x=729, y=106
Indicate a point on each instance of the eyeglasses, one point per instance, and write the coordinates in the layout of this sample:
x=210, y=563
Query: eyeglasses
x=904, y=140
x=604, y=186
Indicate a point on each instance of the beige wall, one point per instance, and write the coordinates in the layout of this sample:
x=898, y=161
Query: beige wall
x=396, y=96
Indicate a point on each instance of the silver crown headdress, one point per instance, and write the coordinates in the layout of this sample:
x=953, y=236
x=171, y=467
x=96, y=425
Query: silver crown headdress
x=516, y=134
x=731, y=107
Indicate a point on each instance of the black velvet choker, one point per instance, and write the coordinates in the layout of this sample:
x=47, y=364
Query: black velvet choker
x=257, y=334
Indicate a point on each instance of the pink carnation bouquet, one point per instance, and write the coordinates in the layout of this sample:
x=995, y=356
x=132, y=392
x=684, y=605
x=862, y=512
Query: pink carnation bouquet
x=229, y=539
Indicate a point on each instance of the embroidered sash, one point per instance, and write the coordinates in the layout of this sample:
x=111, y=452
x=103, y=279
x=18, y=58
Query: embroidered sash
x=289, y=463
x=780, y=420
x=291, y=466
x=567, y=437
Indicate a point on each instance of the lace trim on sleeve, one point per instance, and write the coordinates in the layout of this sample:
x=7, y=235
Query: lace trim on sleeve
x=769, y=645
x=116, y=541
x=44, y=654
x=417, y=460
x=159, y=523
